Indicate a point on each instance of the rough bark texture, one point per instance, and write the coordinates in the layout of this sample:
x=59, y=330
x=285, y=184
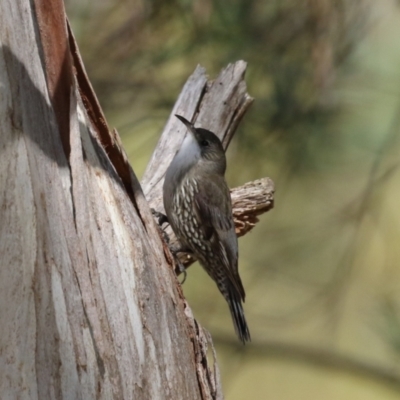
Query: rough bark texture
x=89, y=306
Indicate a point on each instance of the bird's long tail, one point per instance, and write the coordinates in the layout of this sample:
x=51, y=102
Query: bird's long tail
x=238, y=318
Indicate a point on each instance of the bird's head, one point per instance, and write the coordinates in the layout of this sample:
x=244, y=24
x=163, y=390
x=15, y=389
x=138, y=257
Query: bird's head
x=206, y=145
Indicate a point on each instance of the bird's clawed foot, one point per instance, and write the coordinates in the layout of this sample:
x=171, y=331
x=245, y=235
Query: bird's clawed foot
x=160, y=217
x=181, y=269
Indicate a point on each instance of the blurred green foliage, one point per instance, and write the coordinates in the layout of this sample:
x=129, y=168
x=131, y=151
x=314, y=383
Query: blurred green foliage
x=139, y=53
x=321, y=270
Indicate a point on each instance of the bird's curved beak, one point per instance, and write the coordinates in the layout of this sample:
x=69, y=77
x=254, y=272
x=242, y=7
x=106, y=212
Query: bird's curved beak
x=188, y=124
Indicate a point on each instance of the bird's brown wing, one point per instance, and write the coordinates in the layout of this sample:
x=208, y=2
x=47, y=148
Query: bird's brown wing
x=213, y=208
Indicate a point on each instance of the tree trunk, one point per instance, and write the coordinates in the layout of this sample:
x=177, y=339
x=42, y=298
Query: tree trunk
x=90, y=307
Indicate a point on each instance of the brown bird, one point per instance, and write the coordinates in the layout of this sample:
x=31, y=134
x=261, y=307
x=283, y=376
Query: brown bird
x=199, y=209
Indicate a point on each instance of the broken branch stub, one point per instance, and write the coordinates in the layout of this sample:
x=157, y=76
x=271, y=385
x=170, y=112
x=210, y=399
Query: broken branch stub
x=249, y=201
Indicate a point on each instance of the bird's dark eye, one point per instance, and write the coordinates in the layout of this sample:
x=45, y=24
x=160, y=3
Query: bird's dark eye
x=204, y=143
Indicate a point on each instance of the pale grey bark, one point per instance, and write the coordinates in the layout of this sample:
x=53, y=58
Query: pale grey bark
x=89, y=306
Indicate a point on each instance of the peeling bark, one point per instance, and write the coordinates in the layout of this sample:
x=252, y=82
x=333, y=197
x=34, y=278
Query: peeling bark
x=89, y=306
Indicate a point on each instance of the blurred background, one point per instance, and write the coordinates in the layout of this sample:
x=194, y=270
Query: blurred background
x=321, y=270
